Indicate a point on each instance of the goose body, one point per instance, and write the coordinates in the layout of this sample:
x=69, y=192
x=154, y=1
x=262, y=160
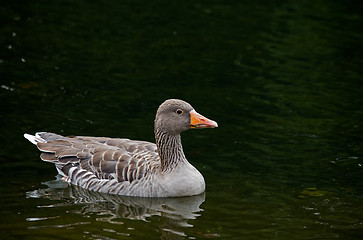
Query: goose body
x=128, y=167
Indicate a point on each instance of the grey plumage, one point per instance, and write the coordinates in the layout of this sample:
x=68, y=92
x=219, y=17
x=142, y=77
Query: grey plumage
x=127, y=167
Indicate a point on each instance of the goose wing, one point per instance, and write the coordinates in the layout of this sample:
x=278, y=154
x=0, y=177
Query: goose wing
x=106, y=158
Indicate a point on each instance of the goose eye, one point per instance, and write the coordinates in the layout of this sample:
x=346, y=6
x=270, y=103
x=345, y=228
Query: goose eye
x=179, y=111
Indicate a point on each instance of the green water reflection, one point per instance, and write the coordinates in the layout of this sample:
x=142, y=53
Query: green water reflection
x=283, y=79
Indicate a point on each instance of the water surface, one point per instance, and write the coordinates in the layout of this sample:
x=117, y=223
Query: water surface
x=283, y=79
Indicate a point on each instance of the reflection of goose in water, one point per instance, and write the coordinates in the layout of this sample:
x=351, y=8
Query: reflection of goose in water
x=174, y=212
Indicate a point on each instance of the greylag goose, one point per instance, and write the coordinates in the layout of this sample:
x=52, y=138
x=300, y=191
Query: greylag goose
x=128, y=167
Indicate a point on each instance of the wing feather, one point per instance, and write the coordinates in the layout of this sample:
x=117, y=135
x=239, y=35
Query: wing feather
x=105, y=158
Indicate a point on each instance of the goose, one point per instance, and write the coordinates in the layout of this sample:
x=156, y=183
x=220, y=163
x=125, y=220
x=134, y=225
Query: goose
x=128, y=167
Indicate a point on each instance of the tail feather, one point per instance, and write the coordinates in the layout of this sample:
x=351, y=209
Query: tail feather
x=34, y=138
x=43, y=137
x=55, y=149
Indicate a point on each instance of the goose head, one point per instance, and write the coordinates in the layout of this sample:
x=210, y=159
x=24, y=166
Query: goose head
x=175, y=116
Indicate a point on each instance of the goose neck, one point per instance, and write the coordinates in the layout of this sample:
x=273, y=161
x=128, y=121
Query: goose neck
x=170, y=150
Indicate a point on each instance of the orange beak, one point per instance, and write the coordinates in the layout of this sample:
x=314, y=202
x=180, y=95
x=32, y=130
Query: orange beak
x=199, y=121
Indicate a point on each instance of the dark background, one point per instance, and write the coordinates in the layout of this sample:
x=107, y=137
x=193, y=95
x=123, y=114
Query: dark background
x=283, y=79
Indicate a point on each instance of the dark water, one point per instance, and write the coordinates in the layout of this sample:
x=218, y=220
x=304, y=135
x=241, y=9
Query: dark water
x=283, y=79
